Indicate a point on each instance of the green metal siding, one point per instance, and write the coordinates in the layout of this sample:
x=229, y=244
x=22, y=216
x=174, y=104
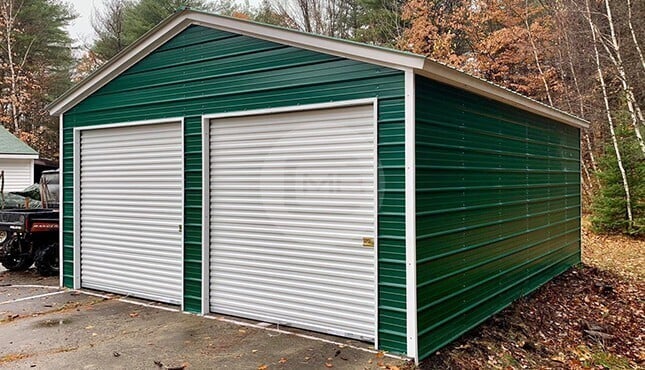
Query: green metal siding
x=205, y=71
x=498, y=207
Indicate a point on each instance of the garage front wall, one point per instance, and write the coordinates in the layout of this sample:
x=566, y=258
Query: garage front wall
x=205, y=71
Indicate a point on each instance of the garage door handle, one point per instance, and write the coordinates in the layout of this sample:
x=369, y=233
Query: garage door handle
x=179, y=226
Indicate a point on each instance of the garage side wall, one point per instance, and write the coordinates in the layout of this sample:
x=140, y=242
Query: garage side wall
x=498, y=207
x=206, y=71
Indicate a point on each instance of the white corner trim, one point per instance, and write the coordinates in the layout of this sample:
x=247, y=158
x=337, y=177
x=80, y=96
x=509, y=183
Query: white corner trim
x=61, y=206
x=410, y=218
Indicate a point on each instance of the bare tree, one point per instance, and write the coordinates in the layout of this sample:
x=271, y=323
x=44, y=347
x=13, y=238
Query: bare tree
x=109, y=25
x=633, y=34
x=610, y=120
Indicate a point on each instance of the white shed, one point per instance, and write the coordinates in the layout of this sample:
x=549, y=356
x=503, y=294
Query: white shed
x=17, y=161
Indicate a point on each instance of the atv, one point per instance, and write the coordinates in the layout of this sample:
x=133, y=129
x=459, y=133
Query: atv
x=29, y=236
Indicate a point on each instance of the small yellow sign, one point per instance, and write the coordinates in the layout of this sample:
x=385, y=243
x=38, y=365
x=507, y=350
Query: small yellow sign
x=368, y=242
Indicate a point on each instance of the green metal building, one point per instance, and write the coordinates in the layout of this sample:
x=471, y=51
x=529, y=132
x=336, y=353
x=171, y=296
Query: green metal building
x=243, y=169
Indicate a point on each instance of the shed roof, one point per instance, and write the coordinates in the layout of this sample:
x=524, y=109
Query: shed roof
x=391, y=58
x=11, y=145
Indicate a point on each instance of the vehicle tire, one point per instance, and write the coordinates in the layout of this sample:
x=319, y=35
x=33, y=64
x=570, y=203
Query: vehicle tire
x=19, y=262
x=47, y=261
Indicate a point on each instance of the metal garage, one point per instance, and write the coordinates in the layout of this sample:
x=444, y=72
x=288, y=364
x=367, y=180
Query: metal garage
x=131, y=210
x=292, y=218
x=313, y=182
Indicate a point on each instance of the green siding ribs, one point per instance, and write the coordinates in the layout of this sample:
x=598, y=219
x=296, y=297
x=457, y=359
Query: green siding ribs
x=206, y=71
x=498, y=207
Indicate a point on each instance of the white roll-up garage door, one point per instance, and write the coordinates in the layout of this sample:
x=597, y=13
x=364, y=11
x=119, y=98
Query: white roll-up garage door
x=131, y=201
x=292, y=219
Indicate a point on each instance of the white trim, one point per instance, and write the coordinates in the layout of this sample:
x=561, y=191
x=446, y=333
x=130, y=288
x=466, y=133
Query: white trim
x=291, y=108
x=351, y=50
x=77, y=190
x=18, y=156
x=205, y=215
x=376, y=234
x=121, y=62
x=77, y=209
x=410, y=218
x=206, y=119
x=31, y=173
x=60, y=201
x=342, y=48
x=183, y=214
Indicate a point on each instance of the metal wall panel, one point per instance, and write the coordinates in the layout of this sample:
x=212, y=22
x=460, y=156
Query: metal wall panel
x=291, y=200
x=498, y=208
x=18, y=173
x=131, y=210
x=199, y=55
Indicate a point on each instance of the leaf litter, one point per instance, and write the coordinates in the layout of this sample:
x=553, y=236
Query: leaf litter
x=590, y=317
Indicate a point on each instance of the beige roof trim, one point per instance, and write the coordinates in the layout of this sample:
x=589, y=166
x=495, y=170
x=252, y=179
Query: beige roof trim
x=347, y=49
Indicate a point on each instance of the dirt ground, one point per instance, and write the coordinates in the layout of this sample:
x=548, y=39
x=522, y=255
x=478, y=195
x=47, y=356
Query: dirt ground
x=591, y=317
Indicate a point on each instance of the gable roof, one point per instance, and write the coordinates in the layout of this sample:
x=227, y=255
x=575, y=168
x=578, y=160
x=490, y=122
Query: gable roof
x=395, y=59
x=11, y=145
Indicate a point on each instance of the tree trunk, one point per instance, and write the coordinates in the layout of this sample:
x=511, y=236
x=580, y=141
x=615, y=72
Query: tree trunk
x=9, y=19
x=631, y=30
x=610, y=120
x=617, y=60
x=535, y=54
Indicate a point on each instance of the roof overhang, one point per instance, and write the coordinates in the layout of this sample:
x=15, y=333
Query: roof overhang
x=18, y=156
x=176, y=23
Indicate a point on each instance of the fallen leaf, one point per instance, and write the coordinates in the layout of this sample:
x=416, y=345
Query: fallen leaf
x=380, y=354
x=328, y=365
x=89, y=327
x=282, y=360
x=134, y=314
x=254, y=351
x=263, y=367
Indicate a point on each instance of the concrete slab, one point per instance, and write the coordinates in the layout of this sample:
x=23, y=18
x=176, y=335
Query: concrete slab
x=81, y=331
x=26, y=277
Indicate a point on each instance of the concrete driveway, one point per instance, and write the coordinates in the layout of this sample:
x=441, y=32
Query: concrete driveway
x=42, y=326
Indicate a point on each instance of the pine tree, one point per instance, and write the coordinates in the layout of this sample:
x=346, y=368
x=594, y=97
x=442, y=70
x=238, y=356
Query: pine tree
x=610, y=204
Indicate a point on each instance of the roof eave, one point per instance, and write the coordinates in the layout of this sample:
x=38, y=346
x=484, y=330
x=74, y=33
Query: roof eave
x=179, y=21
x=125, y=59
x=356, y=51
x=19, y=156
x=453, y=77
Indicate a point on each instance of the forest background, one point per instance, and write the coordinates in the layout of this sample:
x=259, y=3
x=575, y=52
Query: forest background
x=585, y=57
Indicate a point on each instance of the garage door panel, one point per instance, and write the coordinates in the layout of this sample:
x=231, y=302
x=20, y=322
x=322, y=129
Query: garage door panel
x=292, y=197
x=131, y=210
